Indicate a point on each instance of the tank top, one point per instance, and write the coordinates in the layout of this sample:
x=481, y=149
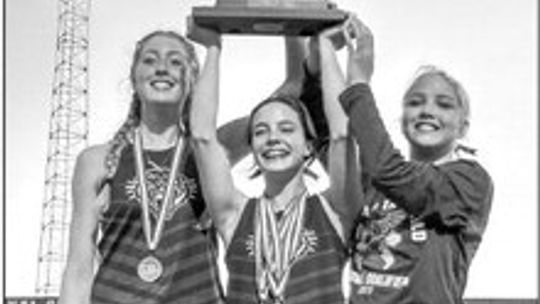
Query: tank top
x=315, y=278
x=185, y=250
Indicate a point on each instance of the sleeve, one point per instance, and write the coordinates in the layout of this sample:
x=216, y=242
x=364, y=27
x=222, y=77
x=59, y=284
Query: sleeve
x=457, y=192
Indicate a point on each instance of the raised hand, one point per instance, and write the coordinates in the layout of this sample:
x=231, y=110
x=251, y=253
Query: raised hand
x=204, y=36
x=359, y=41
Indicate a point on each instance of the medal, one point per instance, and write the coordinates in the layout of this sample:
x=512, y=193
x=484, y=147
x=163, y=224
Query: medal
x=150, y=268
x=276, y=248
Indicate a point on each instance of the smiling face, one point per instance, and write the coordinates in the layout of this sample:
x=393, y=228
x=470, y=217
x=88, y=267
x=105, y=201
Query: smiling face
x=278, y=138
x=433, y=116
x=161, y=71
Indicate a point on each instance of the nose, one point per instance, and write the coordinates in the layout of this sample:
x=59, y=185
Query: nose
x=161, y=69
x=427, y=110
x=272, y=138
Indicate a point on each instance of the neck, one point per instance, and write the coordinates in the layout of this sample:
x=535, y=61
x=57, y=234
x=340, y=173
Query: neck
x=160, y=115
x=430, y=155
x=282, y=189
x=159, y=125
x=159, y=138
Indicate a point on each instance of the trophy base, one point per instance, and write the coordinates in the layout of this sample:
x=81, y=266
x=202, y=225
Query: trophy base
x=267, y=21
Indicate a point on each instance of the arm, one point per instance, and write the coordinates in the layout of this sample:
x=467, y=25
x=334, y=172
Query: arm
x=224, y=200
x=453, y=191
x=344, y=192
x=88, y=196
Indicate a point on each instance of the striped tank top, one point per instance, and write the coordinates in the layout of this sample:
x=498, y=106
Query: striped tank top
x=315, y=278
x=185, y=250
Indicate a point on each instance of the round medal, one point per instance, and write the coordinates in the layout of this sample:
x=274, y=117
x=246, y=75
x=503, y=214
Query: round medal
x=149, y=269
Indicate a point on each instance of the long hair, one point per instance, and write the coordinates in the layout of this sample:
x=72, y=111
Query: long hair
x=124, y=135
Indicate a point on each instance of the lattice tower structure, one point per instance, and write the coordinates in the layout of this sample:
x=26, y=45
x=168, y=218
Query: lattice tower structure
x=68, y=135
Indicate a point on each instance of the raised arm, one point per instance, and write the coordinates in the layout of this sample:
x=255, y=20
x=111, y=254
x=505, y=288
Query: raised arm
x=89, y=195
x=345, y=191
x=224, y=200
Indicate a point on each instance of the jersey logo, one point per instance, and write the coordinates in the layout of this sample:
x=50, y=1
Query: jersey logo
x=184, y=189
x=377, y=234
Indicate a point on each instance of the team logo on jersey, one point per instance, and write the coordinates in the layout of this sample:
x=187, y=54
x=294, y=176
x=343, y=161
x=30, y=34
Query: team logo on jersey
x=156, y=177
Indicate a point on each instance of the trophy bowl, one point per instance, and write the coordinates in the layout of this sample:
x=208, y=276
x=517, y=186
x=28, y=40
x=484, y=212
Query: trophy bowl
x=268, y=17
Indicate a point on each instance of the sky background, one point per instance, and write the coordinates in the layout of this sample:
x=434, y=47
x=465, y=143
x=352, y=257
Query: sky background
x=489, y=45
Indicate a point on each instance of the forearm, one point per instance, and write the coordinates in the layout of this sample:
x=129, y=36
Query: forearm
x=333, y=83
x=204, y=108
x=367, y=127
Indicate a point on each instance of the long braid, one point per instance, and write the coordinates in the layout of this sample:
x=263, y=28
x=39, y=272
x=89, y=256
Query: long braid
x=123, y=136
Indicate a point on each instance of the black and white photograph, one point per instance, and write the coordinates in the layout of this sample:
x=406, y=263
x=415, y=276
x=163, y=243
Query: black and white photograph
x=270, y=151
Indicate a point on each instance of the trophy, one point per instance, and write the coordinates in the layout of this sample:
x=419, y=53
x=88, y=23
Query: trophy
x=268, y=17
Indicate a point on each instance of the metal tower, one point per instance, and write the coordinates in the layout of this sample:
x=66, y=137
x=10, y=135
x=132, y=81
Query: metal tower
x=68, y=135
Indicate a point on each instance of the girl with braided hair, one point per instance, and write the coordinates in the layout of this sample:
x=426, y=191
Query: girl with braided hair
x=138, y=195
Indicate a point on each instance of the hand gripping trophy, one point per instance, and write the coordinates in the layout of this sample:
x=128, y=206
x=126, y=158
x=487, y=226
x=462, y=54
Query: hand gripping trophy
x=269, y=17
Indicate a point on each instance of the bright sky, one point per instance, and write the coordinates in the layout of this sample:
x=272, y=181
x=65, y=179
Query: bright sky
x=489, y=45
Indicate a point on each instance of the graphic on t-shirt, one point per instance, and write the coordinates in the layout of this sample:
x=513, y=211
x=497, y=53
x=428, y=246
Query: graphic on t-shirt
x=376, y=234
x=184, y=189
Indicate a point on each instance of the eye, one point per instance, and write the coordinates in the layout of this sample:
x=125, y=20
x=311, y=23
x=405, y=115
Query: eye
x=149, y=59
x=287, y=128
x=413, y=101
x=259, y=131
x=177, y=62
x=446, y=103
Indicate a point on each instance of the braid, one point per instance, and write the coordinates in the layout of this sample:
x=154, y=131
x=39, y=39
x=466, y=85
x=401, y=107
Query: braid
x=123, y=136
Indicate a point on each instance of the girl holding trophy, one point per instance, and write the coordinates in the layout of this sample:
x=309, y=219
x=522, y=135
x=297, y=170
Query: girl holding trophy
x=286, y=246
x=423, y=219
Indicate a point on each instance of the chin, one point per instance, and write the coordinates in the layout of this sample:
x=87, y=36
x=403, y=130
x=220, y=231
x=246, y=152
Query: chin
x=163, y=97
x=279, y=167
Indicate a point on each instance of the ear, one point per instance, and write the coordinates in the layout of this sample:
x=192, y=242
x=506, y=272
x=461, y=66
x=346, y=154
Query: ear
x=309, y=149
x=464, y=128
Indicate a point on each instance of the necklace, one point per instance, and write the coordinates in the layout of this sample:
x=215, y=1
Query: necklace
x=150, y=268
x=277, y=242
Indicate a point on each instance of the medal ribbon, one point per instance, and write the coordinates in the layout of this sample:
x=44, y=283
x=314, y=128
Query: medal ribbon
x=152, y=239
x=276, y=246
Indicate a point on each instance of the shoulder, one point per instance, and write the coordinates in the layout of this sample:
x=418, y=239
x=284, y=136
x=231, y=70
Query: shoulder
x=93, y=156
x=94, y=153
x=468, y=172
x=469, y=181
x=90, y=163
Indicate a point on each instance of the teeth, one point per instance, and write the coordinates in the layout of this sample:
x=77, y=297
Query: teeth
x=274, y=153
x=426, y=127
x=161, y=85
